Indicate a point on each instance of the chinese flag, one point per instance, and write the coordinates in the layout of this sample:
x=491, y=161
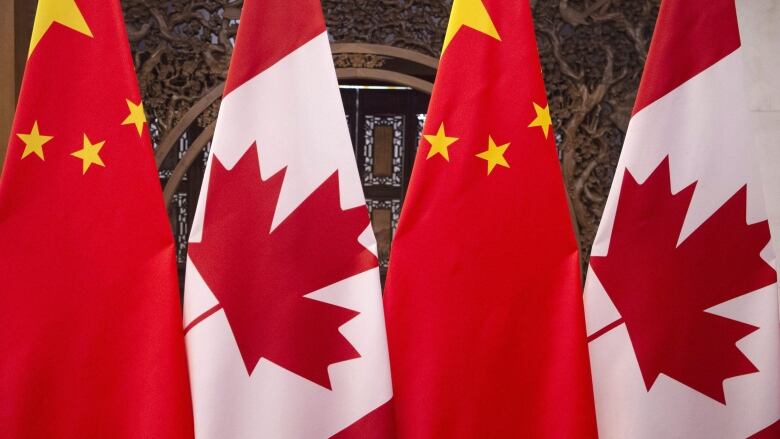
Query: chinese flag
x=484, y=308
x=91, y=344
x=682, y=298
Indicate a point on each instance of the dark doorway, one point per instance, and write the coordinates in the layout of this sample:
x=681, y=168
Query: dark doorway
x=385, y=125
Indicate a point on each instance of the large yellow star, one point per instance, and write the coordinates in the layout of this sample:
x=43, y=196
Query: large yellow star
x=469, y=13
x=494, y=155
x=543, y=119
x=440, y=143
x=136, y=117
x=64, y=12
x=89, y=154
x=33, y=142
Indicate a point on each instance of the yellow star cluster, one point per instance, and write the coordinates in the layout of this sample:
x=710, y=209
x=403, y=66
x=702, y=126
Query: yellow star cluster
x=89, y=152
x=494, y=155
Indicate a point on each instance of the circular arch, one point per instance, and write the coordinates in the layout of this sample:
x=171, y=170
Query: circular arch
x=385, y=76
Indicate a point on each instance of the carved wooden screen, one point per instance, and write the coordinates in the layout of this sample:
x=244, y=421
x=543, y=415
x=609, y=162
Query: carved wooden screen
x=182, y=202
x=385, y=125
x=592, y=52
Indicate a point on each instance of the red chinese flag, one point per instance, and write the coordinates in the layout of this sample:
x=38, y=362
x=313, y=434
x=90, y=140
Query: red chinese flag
x=91, y=344
x=484, y=307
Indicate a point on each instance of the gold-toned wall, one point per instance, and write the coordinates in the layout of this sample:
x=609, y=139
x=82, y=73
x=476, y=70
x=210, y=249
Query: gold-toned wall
x=7, y=71
x=16, y=19
x=24, y=16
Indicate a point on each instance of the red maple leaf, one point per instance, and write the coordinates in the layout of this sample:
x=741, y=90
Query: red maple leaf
x=260, y=275
x=662, y=289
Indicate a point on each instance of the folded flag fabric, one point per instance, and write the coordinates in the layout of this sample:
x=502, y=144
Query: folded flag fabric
x=484, y=306
x=681, y=298
x=91, y=341
x=283, y=313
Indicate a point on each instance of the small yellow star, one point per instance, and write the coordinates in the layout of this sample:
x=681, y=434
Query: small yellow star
x=543, y=119
x=469, y=13
x=494, y=155
x=440, y=143
x=64, y=12
x=136, y=117
x=33, y=142
x=89, y=154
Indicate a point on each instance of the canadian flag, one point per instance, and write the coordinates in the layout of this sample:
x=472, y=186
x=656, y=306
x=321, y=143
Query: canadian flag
x=283, y=315
x=681, y=297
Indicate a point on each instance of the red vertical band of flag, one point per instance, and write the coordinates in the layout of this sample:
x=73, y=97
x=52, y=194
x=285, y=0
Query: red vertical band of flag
x=282, y=26
x=696, y=34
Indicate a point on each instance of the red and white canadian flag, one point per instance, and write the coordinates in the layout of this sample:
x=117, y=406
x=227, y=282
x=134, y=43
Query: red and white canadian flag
x=283, y=315
x=681, y=298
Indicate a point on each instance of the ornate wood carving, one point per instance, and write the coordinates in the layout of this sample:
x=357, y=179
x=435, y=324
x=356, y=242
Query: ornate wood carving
x=418, y=25
x=592, y=54
x=181, y=50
